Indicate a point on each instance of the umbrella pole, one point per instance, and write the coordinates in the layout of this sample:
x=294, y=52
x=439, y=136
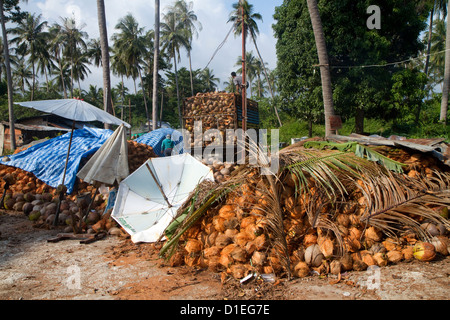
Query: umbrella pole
x=68, y=151
x=159, y=187
x=61, y=194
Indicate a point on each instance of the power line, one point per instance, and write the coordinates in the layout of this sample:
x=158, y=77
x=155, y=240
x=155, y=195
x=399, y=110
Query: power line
x=220, y=46
x=382, y=65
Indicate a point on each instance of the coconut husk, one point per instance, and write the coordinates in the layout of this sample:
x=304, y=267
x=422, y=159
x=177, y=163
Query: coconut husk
x=335, y=267
x=212, y=252
x=380, y=259
x=347, y=262
x=227, y=211
x=408, y=253
x=394, y=256
x=326, y=246
x=222, y=240
x=258, y=258
x=301, y=270
x=239, y=254
x=238, y=271
x=193, y=246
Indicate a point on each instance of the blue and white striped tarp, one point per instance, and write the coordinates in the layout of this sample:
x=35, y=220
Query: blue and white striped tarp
x=46, y=160
x=155, y=138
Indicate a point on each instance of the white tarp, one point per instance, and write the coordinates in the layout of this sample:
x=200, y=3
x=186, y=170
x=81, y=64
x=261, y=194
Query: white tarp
x=145, y=207
x=110, y=163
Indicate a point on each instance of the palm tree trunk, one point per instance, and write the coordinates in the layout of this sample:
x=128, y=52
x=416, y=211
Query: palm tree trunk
x=430, y=33
x=156, y=68
x=12, y=129
x=71, y=79
x=267, y=78
x=190, y=71
x=178, y=91
x=444, y=102
x=63, y=83
x=34, y=81
x=145, y=100
x=107, y=106
x=327, y=90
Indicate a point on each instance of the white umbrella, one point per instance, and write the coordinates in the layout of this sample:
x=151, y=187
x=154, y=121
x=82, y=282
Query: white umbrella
x=110, y=163
x=73, y=109
x=147, y=201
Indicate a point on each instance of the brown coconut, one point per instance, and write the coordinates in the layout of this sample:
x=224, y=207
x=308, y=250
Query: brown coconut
x=424, y=251
x=380, y=259
x=222, y=240
x=368, y=259
x=301, y=270
x=239, y=254
x=335, y=267
x=408, y=253
x=394, y=256
x=347, y=262
x=211, y=252
x=258, y=258
x=227, y=212
x=326, y=246
x=238, y=271
x=313, y=255
x=440, y=244
x=372, y=235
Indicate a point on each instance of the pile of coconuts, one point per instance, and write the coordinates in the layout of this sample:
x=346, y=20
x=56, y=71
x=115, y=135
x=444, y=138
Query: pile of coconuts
x=232, y=238
x=38, y=201
x=221, y=170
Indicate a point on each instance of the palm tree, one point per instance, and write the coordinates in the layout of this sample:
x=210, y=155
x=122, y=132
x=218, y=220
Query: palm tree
x=94, y=51
x=107, y=101
x=8, y=77
x=30, y=40
x=174, y=36
x=45, y=60
x=208, y=78
x=437, y=48
x=445, y=89
x=439, y=8
x=251, y=26
x=190, y=23
x=79, y=68
x=22, y=75
x=324, y=63
x=13, y=61
x=130, y=42
x=156, y=66
x=56, y=48
x=72, y=38
x=252, y=67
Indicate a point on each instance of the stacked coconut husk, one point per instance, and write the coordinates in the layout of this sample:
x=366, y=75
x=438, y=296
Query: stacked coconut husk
x=215, y=110
x=243, y=234
x=138, y=153
x=37, y=200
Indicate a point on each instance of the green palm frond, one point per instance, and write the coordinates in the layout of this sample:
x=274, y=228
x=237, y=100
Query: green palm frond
x=360, y=151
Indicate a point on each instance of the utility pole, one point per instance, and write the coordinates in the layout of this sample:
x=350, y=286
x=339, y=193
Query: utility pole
x=244, y=81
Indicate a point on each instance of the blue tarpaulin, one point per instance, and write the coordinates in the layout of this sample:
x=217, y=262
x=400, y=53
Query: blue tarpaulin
x=155, y=138
x=46, y=160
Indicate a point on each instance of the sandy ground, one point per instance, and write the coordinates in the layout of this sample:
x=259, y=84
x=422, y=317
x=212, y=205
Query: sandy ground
x=31, y=268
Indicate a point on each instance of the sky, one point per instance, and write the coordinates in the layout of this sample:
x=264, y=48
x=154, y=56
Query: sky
x=212, y=14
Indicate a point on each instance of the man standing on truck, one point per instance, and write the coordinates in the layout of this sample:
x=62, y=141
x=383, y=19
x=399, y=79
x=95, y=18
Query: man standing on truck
x=237, y=80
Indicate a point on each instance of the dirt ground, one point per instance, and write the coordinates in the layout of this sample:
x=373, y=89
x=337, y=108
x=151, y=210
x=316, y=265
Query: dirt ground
x=113, y=268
